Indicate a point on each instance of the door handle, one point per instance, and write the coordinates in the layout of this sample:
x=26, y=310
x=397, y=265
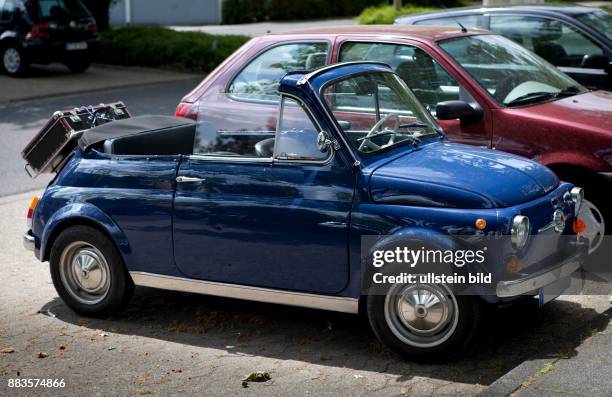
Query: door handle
x=184, y=179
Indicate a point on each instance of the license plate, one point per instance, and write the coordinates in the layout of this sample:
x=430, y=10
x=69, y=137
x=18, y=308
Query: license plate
x=553, y=290
x=76, y=46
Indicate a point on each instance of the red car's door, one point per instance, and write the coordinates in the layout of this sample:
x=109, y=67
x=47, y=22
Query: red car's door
x=428, y=75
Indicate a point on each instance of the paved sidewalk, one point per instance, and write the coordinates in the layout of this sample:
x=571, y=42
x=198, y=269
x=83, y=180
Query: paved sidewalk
x=583, y=372
x=55, y=80
x=260, y=28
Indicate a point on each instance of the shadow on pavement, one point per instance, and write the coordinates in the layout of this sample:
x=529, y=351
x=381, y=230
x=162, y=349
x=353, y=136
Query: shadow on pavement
x=512, y=335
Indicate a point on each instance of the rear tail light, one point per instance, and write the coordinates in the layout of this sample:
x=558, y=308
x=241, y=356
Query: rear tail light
x=39, y=31
x=31, y=209
x=187, y=110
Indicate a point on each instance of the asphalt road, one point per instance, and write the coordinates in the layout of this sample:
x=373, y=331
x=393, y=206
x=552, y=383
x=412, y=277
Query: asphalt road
x=20, y=121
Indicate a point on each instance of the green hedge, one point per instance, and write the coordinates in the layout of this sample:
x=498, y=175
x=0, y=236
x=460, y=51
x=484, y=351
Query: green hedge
x=387, y=14
x=241, y=11
x=160, y=47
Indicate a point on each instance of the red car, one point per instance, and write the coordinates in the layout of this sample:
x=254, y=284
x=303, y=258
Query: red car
x=483, y=89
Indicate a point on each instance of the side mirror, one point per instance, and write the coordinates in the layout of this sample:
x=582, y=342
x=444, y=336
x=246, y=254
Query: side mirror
x=450, y=110
x=595, y=62
x=324, y=142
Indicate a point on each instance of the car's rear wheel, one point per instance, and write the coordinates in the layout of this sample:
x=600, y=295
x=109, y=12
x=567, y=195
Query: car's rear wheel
x=14, y=62
x=88, y=272
x=78, y=66
x=426, y=322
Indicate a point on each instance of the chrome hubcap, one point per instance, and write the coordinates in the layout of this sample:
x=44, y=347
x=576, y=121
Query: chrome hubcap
x=11, y=60
x=595, y=225
x=85, y=272
x=422, y=315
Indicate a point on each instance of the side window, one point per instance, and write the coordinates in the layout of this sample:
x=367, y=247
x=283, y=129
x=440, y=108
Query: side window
x=7, y=8
x=553, y=40
x=429, y=81
x=297, y=134
x=259, y=79
x=235, y=133
x=468, y=21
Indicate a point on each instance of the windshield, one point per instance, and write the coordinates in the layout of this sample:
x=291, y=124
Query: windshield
x=54, y=10
x=599, y=20
x=377, y=111
x=512, y=75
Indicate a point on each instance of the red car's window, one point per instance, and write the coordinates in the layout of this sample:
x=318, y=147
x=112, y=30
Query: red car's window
x=260, y=78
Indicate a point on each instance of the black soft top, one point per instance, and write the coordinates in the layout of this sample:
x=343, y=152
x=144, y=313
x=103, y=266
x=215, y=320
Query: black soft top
x=131, y=127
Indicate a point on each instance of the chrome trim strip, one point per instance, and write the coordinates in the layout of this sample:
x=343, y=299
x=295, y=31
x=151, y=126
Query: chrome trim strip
x=567, y=69
x=333, y=303
x=29, y=242
x=531, y=283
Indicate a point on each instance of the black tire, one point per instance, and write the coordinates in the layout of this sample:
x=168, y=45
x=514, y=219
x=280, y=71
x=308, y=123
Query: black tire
x=455, y=337
x=13, y=60
x=116, y=289
x=78, y=66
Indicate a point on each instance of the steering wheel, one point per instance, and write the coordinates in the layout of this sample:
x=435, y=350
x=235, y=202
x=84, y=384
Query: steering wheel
x=366, y=143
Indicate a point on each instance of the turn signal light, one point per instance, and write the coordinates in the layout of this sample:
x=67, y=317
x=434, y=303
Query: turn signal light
x=480, y=224
x=31, y=209
x=579, y=226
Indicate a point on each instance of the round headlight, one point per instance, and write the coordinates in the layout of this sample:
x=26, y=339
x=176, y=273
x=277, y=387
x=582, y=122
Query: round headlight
x=577, y=195
x=520, y=231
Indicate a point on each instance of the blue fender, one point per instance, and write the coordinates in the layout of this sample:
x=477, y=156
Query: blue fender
x=83, y=213
x=431, y=237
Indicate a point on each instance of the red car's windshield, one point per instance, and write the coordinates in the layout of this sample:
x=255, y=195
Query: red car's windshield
x=512, y=75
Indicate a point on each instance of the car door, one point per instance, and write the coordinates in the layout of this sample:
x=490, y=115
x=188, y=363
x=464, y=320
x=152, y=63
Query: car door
x=560, y=43
x=428, y=79
x=263, y=207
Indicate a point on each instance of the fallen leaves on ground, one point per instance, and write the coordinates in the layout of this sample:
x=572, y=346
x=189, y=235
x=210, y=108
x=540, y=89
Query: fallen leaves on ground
x=43, y=354
x=259, y=376
x=7, y=350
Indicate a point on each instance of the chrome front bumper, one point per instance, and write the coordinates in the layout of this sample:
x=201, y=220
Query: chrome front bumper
x=29, y=242
x=535, y=281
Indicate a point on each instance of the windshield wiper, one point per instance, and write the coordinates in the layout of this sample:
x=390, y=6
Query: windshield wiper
x=416, y=124
x=568, y=91
x=383, y=133
x=532, y=96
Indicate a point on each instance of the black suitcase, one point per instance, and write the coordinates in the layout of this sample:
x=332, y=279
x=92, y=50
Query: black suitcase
x=47, y=151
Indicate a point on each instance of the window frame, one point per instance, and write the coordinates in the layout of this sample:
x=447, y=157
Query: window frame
x=568, y=22
x=314, y=121
x=263, y=50
x=416, y=46
x=273, y=158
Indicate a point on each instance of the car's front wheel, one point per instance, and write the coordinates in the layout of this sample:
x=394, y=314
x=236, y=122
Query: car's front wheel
x=14, y=62
x=88, y=272
x=425, y=322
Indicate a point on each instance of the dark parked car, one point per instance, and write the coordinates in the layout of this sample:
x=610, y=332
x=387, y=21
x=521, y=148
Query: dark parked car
x=45, y=31
x=282, y=210
x=484, y=90
x=578, y=40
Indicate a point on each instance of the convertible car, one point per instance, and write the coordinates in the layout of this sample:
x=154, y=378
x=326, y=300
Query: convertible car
x=290, y=211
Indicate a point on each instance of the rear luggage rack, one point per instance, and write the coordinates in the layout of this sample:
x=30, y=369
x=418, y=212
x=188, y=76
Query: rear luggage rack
x=53, y=144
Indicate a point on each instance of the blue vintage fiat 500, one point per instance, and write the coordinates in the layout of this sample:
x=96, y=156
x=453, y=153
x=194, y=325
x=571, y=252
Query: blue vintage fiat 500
x=303, y=206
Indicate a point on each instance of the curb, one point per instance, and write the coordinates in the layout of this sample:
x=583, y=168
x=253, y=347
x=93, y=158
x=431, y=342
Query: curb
x=513, y=379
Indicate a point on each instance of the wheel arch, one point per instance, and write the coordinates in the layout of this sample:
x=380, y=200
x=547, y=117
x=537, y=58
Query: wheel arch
x=86, y=215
